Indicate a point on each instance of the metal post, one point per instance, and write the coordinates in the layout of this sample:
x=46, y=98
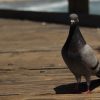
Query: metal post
x=79, y=6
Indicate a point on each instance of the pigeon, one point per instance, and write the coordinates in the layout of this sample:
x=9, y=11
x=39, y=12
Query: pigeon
x=78, y=55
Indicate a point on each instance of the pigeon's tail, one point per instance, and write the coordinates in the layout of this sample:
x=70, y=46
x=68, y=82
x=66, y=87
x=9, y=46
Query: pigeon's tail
x=97, y=69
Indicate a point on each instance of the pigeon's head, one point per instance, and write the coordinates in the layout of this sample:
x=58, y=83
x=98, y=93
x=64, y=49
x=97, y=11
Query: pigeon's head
x=74, y=19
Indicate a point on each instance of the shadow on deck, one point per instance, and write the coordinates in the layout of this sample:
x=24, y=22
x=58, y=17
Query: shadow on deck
x=70, y=88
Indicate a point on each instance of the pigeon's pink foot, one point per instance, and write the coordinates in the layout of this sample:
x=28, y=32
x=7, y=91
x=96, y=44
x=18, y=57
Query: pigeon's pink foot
x=87, y=92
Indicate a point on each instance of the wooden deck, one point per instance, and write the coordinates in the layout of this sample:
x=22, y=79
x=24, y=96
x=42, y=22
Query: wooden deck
x=31, y=66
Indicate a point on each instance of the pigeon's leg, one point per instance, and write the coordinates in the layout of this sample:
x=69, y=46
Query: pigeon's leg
x=78, y=78
x=88, y=84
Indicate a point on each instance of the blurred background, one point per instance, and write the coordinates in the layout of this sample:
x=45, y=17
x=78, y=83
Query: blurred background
x=46, y=5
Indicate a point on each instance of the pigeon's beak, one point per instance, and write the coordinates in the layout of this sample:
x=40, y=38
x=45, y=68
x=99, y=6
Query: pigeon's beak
x=72, y=21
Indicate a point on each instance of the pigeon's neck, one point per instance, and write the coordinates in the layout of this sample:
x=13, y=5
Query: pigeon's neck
x=75, y=38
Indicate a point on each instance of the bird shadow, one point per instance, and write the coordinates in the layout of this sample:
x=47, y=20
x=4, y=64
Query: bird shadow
x=70, y=88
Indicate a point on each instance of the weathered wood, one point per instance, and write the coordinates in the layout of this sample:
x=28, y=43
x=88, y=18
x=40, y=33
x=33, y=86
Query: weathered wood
x=79, y=6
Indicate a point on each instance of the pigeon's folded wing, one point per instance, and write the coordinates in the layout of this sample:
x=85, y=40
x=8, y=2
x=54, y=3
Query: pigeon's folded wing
x=88, y=57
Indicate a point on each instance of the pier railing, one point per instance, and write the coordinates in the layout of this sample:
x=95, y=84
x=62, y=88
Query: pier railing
x=81, y=7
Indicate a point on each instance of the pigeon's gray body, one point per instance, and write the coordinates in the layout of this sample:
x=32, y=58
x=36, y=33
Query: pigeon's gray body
x=79, y=56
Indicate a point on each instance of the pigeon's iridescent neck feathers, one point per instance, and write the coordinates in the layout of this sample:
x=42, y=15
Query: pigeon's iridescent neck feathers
x=75, y=38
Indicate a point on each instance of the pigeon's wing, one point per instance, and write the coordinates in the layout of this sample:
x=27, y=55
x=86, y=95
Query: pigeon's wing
x=88, y=57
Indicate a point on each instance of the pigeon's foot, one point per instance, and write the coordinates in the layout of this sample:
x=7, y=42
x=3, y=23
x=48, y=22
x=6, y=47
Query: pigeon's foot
x=87, y=92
